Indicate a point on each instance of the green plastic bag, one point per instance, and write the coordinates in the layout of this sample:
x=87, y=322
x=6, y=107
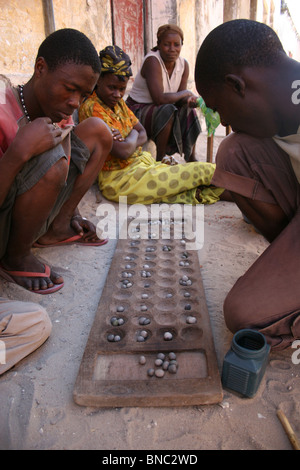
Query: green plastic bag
x=212, y=119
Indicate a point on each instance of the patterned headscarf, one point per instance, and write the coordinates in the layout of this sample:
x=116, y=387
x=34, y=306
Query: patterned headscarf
x=114, y=60
x=167, y=28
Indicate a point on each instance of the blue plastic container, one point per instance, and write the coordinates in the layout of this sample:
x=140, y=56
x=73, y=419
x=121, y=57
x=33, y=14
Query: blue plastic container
x=245, y=363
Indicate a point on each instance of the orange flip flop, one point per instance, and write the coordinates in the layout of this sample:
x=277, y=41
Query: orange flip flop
x=7, y=275
x=70, y=241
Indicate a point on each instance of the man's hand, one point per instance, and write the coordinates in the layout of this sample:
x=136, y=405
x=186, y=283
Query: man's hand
x=36, y=137
x=84, y=228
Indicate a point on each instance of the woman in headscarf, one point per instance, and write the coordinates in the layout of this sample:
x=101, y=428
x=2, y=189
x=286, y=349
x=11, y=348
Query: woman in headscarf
x=160, y=99
x=129, y=171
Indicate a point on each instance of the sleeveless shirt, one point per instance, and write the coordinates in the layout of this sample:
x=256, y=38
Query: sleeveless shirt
x=140, y=92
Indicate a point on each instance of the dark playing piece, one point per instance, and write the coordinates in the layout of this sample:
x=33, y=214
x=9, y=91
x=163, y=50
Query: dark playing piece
x=151, y=342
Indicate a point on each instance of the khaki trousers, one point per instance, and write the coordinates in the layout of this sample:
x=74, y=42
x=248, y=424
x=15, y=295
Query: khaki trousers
x=24, y=326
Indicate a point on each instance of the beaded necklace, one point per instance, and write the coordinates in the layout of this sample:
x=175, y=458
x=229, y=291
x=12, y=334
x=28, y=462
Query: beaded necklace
x=23, y=102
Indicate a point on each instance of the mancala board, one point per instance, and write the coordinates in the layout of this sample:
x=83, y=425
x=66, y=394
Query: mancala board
x=152, y=307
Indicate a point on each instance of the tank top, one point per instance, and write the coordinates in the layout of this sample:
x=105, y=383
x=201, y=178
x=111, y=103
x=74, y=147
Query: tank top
x=140, y=92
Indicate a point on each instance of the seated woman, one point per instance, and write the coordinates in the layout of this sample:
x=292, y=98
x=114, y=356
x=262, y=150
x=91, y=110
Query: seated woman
x=129, y=171
x=160, y=99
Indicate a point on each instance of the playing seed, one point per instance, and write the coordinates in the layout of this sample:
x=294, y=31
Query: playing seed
x=172, y=369
x=168, y=336
x=144, y=321
x=172, y=356
x=161, y=356
x=191, y=320
x=142, y=360
x=159, y=373
x=150, y=372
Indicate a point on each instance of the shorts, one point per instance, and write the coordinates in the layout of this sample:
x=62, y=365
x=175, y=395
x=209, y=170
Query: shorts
x=32, y=172
x=266, y=297
x=257, y=169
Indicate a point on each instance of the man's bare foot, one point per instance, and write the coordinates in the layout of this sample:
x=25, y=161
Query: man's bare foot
x=28, y=265
x=79, y=226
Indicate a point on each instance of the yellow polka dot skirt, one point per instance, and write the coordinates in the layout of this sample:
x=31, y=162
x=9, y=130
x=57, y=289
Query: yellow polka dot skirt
x=145, y=181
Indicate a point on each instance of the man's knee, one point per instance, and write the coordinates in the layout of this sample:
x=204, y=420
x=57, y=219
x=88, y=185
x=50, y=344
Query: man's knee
x=24, y=327
x=93, y=131
x=235, y=311
x=44, y=323
x=28, y=318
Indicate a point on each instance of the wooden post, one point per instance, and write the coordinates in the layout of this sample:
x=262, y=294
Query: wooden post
x=49, y=22
x=210, y=146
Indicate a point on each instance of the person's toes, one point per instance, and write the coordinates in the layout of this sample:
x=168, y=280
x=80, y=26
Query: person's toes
x=56, y=279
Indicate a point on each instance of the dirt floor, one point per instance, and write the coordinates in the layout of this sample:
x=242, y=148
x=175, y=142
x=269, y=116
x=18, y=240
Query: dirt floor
x=37, y=407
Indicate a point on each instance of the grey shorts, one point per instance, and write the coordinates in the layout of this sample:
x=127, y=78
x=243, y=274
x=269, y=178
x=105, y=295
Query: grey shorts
x=32, y=172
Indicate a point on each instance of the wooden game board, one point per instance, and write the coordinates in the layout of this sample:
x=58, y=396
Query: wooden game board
x=150, y=278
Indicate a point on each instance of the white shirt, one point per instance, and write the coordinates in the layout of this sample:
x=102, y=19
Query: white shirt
x=291, y=145
x=140, y=92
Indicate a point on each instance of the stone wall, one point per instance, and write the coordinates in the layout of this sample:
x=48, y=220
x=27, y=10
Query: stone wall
x=23, y=25
x=23, y=29
x=92, y=17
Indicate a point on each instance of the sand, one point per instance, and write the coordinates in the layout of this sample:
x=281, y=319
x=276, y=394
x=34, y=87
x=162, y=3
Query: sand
x=37, y=408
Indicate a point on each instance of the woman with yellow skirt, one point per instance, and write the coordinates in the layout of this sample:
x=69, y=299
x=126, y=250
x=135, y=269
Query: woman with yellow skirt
x=129, y=171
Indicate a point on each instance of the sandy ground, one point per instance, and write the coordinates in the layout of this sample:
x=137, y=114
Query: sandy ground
x=37, y=408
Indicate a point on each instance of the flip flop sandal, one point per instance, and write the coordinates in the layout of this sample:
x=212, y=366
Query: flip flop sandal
x=7, y=275
x=70, y=241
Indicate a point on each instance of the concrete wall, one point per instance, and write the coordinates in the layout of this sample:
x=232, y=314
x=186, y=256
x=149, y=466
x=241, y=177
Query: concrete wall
x=23, y=29
x=197, y=19
x=22, y=25
x=92, y=17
